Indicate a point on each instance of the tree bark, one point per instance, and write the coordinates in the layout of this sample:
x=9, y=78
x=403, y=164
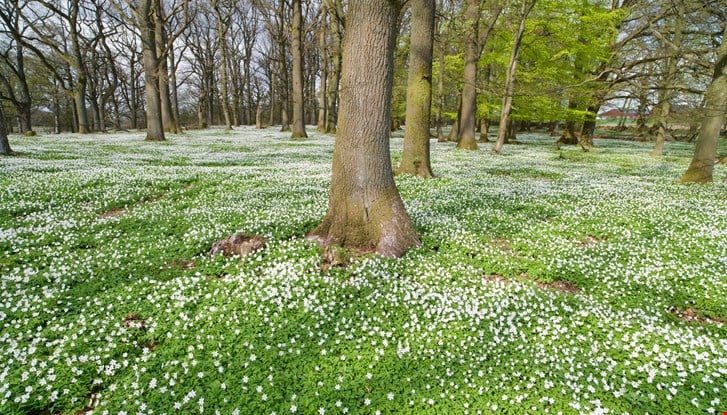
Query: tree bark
x=569, y=132
x=440, y=94
x=298, y=125
x=484, y=126
x=454, y=131
x=146, y=23
x=10, y=16
x=666, y=91
x=169, y=121
x=4, y=143
x=222, y=27
x=323, y=50
x=701, y=168
x=415, y=158
x=365, y=211
x=335, y=8
x=467, y=140
x=527, y=6
x=79, y=94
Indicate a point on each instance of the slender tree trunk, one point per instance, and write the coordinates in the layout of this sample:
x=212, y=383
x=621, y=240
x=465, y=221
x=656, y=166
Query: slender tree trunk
x=248, y=90
x=510, y=77
x=440, y=94
x=454, y=131
x=258, y=117
x=705, y=153
x=484, y=126
x=298, y=126
x=335, y=9
x=323, y=50
x=56, y=107
x=174, y=91
x=365, y=211
x=415, y=158
x=224, y=53
x=24, y=107
x=4, y=143
x=666, y=91
x=467, y=140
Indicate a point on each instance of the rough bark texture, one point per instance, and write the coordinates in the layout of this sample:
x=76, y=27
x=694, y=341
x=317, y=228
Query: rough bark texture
x=298, y=126
x=365, y=211
x=666, y=90
x=322, y=45
x=440, y=94
x=467, y=140
x=145, y=17
x=484, y=126
x=335, y=8
x=224, y=54
x=705, y=153
x=79, y=94
x=569, y=132
x=454, y=131
x=4, y=143
x=415, y=157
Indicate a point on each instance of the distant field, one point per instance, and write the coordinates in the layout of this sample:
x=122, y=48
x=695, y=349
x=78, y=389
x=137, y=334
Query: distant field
x=549, y=281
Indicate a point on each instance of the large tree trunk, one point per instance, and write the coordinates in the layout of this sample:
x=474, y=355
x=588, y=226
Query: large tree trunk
x=79, y=100
x=79, y=94
x=365, y=211
x=569, y=132
x=169, y=121
x=527, y=6
x=4, y=143
x=415, y=158
x=145, y=17
x=298, y=126
x=705, y=153
x=467, y=139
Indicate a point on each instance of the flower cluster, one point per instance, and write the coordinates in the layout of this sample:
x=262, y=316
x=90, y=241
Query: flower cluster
x=548, y=282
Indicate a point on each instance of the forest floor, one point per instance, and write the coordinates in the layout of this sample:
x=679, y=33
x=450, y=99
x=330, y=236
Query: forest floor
x=548, y=281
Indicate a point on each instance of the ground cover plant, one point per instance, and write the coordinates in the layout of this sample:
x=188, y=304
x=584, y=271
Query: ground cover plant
x=548, y=281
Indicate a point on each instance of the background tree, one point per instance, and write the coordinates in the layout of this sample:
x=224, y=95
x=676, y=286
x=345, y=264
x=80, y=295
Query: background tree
x=223, y=13
x=13, y=61
x=701, y=168
x=4, y=143
x=298, y=126
x=63, y=30
x=466, y=116
x=335, y=27
x=415, y=157
x=526, y=7
x=146, y=13
x=365, y=211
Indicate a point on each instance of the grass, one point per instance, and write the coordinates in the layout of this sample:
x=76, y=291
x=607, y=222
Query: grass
x=549, y=281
